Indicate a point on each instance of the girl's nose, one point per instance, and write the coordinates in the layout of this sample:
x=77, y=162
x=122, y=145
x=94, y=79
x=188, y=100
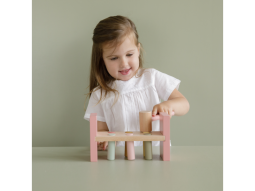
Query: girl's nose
x=123, y=62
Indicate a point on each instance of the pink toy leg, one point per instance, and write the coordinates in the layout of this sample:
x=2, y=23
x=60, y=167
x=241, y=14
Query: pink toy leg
x=93, y=134
x=130, y=150
x=165, y=130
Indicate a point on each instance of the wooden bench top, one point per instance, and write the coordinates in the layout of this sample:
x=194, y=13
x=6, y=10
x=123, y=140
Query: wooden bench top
x=137, y=136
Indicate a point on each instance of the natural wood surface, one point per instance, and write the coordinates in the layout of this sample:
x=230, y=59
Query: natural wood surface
x=145, y=121
x=137, y=136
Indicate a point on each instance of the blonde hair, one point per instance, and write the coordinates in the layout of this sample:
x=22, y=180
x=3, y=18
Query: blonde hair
x=110, y=31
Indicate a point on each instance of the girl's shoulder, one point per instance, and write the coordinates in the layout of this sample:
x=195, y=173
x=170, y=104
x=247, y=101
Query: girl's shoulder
x=154, y=73
x=144, y=77
x=96, y=92
x=146, y=72
x=99, y=93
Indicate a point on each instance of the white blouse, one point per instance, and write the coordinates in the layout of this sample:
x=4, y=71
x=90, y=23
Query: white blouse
x=135, y=95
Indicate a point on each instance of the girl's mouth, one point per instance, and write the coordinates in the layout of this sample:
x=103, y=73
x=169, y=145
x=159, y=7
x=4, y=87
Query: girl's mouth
x=125, y=72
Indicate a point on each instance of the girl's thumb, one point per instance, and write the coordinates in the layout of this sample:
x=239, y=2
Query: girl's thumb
x=154, y=111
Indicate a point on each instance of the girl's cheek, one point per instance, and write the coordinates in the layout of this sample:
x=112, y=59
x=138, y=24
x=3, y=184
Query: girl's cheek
x=113, y=65
x=134, y=59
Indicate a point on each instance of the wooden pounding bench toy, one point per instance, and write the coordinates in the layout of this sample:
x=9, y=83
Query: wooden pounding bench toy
x=145, y=134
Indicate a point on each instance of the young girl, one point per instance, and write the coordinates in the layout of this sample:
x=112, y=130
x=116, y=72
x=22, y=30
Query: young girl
x=119, y=85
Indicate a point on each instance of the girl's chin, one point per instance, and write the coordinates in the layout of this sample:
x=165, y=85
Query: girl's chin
x=125, y=77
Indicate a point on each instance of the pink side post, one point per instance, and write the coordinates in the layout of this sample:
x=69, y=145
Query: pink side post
x=93, y=134
x=165, y=130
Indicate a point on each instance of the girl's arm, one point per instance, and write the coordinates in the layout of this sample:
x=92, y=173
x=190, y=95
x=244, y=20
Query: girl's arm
x=176, y=102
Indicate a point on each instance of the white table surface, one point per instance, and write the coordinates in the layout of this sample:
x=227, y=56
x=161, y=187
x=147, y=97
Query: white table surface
x=198, y=168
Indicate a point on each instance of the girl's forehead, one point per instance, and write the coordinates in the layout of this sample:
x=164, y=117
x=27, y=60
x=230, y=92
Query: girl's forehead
x=125, y=43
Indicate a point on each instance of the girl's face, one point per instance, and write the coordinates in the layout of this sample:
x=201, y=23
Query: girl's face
x=124, y=61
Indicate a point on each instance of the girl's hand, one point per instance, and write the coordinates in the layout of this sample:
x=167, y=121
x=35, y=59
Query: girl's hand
x=102, y=146
x=162, y=107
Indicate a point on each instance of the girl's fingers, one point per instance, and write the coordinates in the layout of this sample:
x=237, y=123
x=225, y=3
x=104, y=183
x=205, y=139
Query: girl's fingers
x=154, y=111
x=100, y=146
x=105, y=144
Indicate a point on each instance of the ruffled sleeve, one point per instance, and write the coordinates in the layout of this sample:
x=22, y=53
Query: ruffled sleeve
x=164, y=84
x=93, y=107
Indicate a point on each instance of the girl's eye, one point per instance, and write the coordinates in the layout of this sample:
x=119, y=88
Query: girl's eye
x=116, y=57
